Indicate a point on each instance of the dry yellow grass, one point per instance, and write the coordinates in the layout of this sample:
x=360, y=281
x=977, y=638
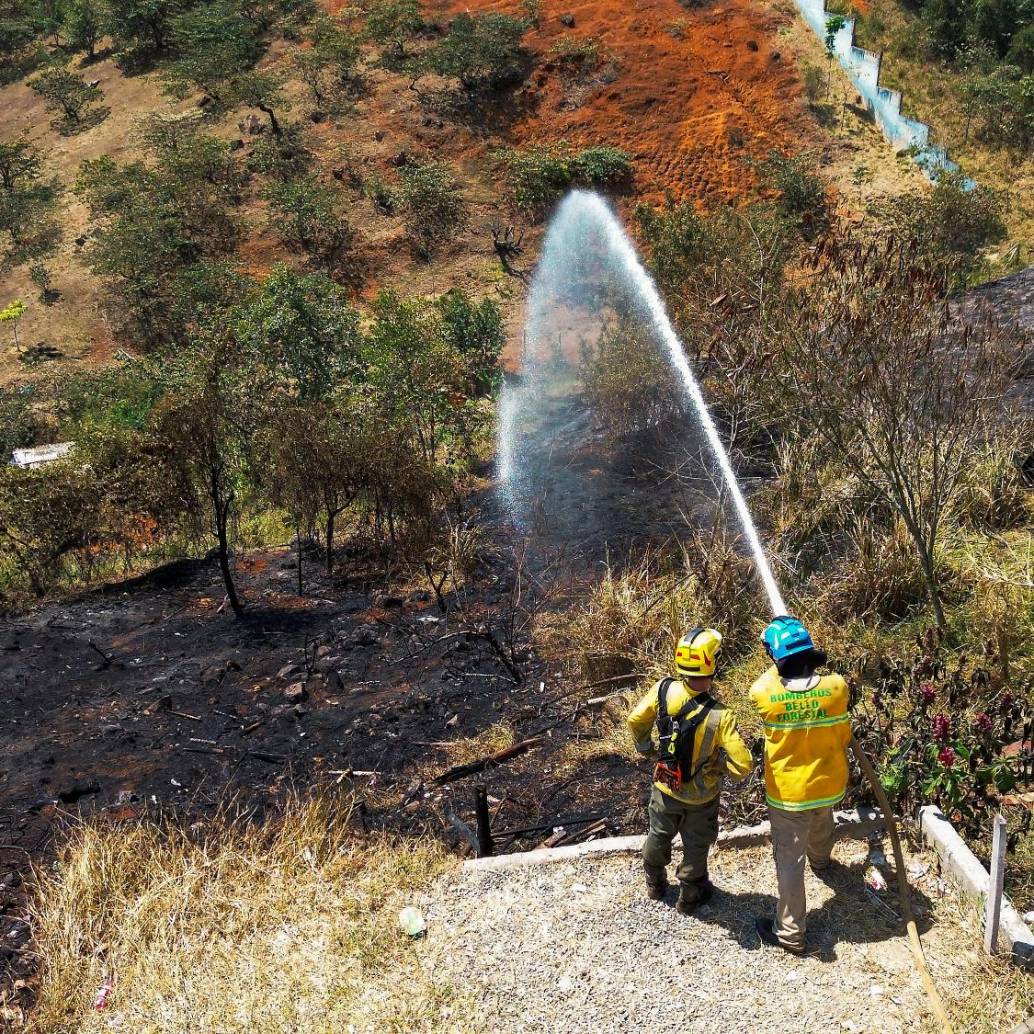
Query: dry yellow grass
x=465, y=749
x=289, y=925
x=981, y=995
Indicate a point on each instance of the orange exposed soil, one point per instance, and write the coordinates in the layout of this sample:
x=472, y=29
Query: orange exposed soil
x=689, y=94
x=692, y=93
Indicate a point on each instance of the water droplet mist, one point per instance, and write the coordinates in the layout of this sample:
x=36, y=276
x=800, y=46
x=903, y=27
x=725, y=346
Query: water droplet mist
x=586, y=242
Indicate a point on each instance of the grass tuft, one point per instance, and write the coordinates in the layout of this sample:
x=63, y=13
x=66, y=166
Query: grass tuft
x=290, y=924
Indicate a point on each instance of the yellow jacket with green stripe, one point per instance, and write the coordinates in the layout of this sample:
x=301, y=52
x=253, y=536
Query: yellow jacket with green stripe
x=807, y=732
x=716, y=739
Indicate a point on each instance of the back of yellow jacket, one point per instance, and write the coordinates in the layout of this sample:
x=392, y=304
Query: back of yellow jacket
x=807, y=733
x=727, y=754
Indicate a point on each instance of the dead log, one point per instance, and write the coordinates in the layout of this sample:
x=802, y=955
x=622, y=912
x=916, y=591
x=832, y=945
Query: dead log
x=459, y=771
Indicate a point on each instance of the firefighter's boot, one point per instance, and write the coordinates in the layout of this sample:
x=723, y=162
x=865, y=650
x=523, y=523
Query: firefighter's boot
x=693, y=895
x=656, y=882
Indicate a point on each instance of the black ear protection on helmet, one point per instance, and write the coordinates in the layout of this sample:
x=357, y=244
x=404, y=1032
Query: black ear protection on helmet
x=694, y=632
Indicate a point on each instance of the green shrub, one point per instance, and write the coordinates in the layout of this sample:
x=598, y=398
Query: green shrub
x=950, y=225
x=432, y=202
x=538, y=175
x=601, y=166
x=480, y=50
x=628, y=385
x=306, y=216
x=800, y=192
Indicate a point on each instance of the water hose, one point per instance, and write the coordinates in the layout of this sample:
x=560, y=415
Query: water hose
x=903, y=895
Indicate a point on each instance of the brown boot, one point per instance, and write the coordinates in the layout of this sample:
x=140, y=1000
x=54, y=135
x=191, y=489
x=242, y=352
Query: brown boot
x=693, y=895
x=656, y=883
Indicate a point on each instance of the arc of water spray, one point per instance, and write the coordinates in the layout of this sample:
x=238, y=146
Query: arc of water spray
x=594, y=208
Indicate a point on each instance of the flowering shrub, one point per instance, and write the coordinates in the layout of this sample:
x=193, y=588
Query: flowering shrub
x=940, y=731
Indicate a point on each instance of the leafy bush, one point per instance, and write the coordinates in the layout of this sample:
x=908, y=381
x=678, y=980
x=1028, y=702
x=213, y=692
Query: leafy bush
x=941, y=730
x=580, y=55
x=432, y=202
x=800, y=192
x=628, y=385
x=601, y=166
x=306, y=216
x=538, y=175
x=480, y=50
x=950, y=225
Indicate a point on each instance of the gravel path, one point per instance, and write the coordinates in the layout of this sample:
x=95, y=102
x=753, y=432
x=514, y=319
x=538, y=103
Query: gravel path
x=574, y=947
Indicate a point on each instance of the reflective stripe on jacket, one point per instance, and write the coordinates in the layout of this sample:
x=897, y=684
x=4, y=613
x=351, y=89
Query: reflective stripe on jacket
x=716, y=739
x=807, y=732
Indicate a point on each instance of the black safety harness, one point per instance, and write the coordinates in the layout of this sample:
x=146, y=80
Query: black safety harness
x=678, y=735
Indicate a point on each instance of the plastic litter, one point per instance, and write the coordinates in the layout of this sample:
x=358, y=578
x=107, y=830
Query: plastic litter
x=874, y=878
x=103, y=995
x=412, y=922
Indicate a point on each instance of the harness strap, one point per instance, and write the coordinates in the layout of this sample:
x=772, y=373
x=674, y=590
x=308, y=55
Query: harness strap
x=713, y=720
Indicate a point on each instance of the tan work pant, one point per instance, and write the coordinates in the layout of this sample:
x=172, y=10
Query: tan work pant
x=697, y=824
x=796, y=835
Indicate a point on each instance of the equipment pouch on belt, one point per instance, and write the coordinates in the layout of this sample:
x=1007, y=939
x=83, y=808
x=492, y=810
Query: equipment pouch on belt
x=677, y=737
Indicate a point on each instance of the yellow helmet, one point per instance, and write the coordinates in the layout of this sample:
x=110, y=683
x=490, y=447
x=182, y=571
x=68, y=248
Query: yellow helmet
x=697, y=652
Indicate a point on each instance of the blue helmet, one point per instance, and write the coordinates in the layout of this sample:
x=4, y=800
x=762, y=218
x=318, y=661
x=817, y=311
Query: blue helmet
x=786, y=636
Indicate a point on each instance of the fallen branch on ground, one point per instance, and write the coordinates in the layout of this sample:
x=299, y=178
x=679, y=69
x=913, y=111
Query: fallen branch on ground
x=459, y=771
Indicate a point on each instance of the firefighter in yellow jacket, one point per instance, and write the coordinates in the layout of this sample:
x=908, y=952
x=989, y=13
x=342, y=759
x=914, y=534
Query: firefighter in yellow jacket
x=807, y=734
x=698, y=745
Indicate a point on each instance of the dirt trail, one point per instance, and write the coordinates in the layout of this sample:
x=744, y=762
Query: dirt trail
x=577, y=946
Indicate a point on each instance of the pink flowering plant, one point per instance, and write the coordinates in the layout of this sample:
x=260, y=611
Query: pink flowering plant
x=941, y=731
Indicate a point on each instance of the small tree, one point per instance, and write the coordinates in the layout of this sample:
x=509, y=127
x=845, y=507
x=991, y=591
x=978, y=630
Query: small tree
x=83, y=27
x=261, y=90
x=141, y=29
x=214, y=43
x=69, y=93
x=392, y=23
x=27, y=199
x=433, y=204
x=12, y=314
x=201, y=437
x=306, y=215
x=480, y=50
x=329, y=62
x=834, y=23
x=871, y=364
x=41, y=276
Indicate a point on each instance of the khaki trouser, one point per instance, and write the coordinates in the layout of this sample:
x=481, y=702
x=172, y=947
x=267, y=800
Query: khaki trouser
x=698, y=826
x=796, y=834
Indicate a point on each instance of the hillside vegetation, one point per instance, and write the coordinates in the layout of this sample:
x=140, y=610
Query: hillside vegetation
x=263, y=269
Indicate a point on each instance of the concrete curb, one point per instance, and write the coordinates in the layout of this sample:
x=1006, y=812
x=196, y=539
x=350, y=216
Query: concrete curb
x=849, y=824
x=974, y=880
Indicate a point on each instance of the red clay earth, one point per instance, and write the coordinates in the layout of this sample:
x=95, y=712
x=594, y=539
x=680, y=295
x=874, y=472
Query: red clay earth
x=688, y=92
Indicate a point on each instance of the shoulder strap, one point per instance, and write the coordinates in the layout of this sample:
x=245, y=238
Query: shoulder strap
x=662, y=698
x=687, y=735
x=713, y=720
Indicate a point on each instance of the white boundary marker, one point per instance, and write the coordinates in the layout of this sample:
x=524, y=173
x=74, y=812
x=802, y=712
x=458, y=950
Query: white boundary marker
x=974, y=880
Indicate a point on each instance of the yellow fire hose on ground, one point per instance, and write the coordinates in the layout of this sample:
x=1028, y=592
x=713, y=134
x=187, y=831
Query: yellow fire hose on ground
x=903, y=895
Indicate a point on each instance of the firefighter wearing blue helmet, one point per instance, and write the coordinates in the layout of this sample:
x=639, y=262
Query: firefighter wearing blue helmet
x=807, y=734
